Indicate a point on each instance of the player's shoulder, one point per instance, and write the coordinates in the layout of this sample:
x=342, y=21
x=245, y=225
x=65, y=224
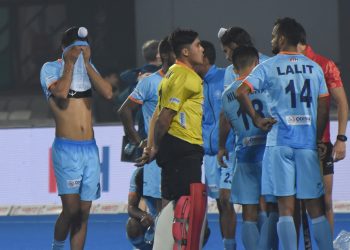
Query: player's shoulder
x=57, y=64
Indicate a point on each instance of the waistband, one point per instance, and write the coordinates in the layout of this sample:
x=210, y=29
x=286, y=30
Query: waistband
x=62, y=140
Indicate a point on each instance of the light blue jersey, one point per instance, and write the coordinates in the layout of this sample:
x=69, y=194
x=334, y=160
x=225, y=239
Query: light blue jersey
x=293, y=83
x=250, y=140
x=51, y=72
x=146, y=94
x=230, y=75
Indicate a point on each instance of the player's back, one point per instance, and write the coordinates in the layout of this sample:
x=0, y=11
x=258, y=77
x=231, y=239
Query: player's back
x=294, y=84
x=250, y=140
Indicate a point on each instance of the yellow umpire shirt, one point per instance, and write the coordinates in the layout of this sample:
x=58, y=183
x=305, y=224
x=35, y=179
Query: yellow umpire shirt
x=181, y=90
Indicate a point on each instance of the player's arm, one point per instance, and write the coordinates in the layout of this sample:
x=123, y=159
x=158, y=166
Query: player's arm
x=162, y=126
x=224, y=130
x=242, y=94
x=145, y=158
x=135, y=212
x=322, y=120
x=338, y=94
x=61, y=87
x=126, y=115
x=101, y=85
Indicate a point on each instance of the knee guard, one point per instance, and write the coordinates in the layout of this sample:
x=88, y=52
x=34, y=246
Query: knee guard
x=189, y=219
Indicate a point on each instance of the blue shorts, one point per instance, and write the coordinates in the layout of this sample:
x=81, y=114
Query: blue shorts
x=77, y=168
x=288, y=171
x=151, y=180
x=216, y=177
x=246, y=183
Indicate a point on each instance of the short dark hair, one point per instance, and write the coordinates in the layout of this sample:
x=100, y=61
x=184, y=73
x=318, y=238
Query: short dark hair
x=244, y=56
x=164, y=46
x=209, y=51
x=150, y=50
x=291, y=30
x=236, y=35
x=70, y=36
x=181, y=38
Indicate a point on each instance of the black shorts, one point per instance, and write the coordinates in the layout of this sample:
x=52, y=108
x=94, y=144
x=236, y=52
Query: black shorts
x=181, y=164
x=327, y=164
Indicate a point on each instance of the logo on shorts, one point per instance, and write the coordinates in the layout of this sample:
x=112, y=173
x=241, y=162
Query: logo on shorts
x=73, y=183
x=254, y=140
x=296, y=120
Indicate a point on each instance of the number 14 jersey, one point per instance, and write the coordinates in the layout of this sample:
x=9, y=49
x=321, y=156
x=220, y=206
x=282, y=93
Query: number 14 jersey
x=293, y=84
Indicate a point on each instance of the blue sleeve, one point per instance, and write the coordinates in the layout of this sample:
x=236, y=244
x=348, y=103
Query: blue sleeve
x=49, y=74
x=256, y=79
x=141, y=91
x=132, y=187
x=323, y=85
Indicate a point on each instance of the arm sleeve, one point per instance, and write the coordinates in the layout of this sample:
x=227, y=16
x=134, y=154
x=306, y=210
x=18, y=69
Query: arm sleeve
x=176, y=93
x=49, y=74
x=140, y=92
x=256, y=79
x=332, y=76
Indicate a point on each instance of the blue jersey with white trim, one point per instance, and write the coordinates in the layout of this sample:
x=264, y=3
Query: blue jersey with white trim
x=250, y=140
x=146, y=94
x=293, y=84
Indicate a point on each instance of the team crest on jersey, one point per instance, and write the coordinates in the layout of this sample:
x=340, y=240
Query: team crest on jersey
x=293, y=59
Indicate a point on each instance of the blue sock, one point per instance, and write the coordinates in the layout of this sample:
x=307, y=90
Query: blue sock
x=250, y=235
x=261, y=219
x=268, y=233
x=229, y=244
x=58, y=245
x=322, y=233
x=287, y=233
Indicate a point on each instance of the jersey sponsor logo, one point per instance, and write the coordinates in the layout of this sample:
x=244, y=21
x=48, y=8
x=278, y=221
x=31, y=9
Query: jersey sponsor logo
x=73, y=183
x=293, y=59
x=174, y=100
x=183, y=119
x=254, y=140
x=296, y=120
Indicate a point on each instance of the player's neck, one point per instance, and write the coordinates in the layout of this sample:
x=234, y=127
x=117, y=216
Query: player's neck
x=289, y=48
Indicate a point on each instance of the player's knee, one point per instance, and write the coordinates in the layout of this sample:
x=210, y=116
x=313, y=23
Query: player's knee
x=225, y=204
x=133, y=228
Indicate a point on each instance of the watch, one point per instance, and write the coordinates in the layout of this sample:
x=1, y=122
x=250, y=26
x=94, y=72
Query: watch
x=342, y=138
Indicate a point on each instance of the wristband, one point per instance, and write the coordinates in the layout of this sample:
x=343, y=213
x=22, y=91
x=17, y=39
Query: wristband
x=342, y=138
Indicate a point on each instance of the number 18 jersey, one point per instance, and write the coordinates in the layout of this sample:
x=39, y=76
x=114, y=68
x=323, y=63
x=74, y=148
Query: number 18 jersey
x=250, y=140
x=293, y=84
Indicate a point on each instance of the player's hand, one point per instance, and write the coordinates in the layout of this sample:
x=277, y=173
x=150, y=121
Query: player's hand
x=144, y=158
x=339, y=151
x=322, y=150
x=143, y=144
x=71, y=55
x=264, y=124
x=152, y=154
x=86, y=53
x=220, y=157
x=147, y=220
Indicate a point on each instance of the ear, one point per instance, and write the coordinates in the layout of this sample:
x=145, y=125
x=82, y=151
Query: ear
x=185, y=52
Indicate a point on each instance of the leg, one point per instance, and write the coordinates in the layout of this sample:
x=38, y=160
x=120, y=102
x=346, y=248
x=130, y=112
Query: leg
x=321, y=228
x=285, y=226
x=227, y=215
x=328, y=189
x=70, y=207
x=79, y=226
x=262, y=212
x=250, y=232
